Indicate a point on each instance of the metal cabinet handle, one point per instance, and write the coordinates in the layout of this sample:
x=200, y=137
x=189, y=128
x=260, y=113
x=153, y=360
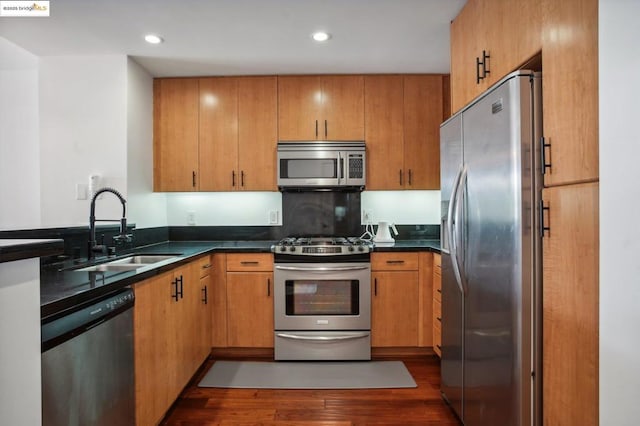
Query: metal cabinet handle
x=177, y=293
x=409, y=177
x=249, y=262
x=375, y=286
x=316, y=129
x=439, y=319
x=233, y=178
x=400, y=177
x=242, y=178
x=439, y=347
x=193, y=179
x=207, y=266
x=181, y=287
x=395, y=262
x=268, y=287
x=205, y=298
x=326, y=134
x=439, y=291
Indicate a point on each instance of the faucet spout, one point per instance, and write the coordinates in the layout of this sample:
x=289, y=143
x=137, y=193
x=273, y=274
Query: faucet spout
x=93, y=246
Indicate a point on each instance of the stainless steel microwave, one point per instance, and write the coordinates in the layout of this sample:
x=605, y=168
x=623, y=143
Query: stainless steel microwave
x=321, y=165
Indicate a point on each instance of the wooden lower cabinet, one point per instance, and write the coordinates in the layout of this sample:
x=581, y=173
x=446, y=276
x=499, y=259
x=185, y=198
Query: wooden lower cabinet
x=394, y=299
x=168, y=317
x=218, y=301
x=570, y=297
x=249, y=282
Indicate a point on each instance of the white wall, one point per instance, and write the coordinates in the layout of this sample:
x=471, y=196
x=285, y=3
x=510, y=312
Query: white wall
x=619, y=212
x=224, y=208
x=19, y=146
x=83, y=131
x=144, y=208
x=403, y=207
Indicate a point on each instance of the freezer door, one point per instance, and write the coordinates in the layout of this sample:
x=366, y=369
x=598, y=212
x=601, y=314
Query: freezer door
x=497, y=138
x=452, y=298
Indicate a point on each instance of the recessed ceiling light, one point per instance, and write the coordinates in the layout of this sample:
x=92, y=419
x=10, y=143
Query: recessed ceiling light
x=321, y=36
x=153, y=39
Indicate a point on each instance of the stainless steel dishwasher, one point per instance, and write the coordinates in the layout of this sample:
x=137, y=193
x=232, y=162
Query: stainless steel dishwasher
x=87, y=364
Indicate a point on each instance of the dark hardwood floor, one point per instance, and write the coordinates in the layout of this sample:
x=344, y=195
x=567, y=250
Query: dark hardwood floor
x=418, y=406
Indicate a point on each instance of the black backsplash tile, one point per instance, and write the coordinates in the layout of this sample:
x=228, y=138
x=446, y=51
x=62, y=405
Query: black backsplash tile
x=224, y=233
x=321, y=213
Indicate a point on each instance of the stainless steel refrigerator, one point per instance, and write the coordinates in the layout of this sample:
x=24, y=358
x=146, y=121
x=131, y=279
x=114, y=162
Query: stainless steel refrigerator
x=491, y=274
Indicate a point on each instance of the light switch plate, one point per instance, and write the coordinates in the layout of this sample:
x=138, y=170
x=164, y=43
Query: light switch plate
x=81, y=191
x=191, y=218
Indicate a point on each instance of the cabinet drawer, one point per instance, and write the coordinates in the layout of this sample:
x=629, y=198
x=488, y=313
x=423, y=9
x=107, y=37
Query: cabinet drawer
x=243, y=262
x=437, y=263
x=204, y=266
x=437, y=313
x=437, y=340
x=394, y=261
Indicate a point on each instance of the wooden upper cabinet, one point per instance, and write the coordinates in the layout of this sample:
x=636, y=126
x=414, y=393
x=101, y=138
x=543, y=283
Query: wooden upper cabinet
x=343, y=107
x=507, y=31
x=257, y=133
x=218, y=149
x=570, y=90
x=384, y=131
x=175, y=134
x=402, y=131
x=423, y=104
x=320, y=108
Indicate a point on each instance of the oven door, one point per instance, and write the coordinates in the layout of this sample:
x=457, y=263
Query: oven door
x=322, y=296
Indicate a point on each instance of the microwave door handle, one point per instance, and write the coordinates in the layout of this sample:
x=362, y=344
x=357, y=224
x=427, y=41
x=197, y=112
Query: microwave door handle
x=340, y=168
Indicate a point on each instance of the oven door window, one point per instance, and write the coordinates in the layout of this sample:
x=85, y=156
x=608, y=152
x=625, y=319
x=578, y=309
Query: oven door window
x=322, y=297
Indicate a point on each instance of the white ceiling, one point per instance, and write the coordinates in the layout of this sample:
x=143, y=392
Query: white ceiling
x=248, y=37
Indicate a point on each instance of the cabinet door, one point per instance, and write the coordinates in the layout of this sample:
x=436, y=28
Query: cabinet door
x=425, y=300
x=183, y=329
x=250, y=309
x=422, y=117
x=437, y=305
x=394, y=308
x=175, y=134
x=384, y=131
x=218, y=301
x=468, y=39
x=218, y=159
x=299, y=106
x=519, y=37
x=570, y=89
x=154, y=348
x=570, y=305
x=202, y=275
x=257, y=133
x=342, y=107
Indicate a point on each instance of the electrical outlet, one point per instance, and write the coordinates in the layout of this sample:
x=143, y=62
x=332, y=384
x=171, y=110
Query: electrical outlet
x=191, y=218
x=273, y=217
x=81, y=191
x=367, y=216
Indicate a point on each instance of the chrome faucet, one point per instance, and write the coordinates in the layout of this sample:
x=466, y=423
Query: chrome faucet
x=102, y=248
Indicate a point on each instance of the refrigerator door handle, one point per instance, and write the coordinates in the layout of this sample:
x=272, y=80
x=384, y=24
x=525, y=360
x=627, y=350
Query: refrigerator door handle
x=452, y=232
x=458, y=255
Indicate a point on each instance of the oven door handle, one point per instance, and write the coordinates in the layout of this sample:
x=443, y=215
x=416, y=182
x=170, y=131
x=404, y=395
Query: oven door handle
x=323, y=339
x=323, y=269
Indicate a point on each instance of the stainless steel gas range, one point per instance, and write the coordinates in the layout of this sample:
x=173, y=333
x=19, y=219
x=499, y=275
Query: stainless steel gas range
x=322, y=299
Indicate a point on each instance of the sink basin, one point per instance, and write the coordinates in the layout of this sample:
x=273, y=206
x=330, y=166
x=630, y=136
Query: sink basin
x=129, y=263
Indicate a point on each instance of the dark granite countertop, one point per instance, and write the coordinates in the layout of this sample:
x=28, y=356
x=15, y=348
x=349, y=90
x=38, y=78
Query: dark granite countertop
x=18, y=249
x=62, y=288
x=411, y=245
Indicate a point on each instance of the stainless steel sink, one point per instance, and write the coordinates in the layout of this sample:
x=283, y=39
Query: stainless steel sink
x=129, y=263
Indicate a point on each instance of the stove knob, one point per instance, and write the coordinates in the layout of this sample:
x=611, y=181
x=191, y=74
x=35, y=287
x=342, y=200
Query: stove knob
x=292, y=248
x=283, y=248
x=360, y=248
x=350, y=248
